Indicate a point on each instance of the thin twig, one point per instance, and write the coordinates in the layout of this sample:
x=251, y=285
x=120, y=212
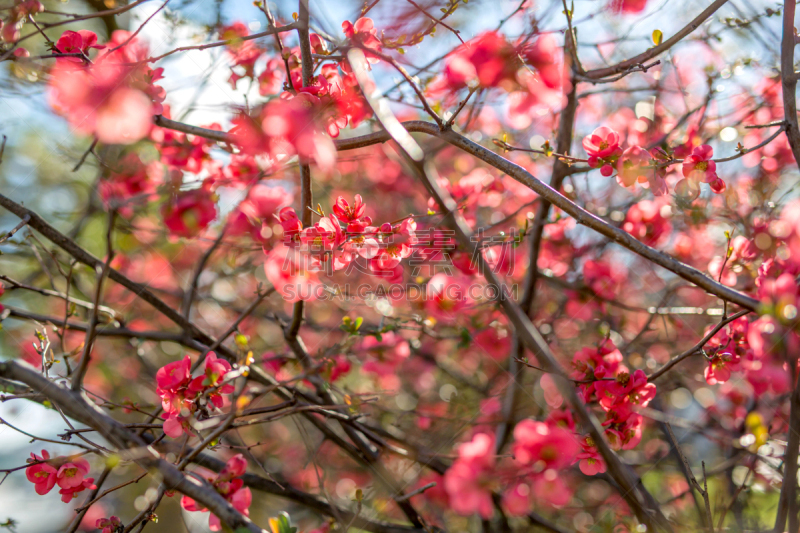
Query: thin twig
x=77, y=379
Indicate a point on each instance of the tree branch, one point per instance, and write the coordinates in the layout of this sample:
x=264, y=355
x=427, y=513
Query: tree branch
x=133, y=447
x=632, y=491
x=789, y=80
x=582, y=216
x=656, y=50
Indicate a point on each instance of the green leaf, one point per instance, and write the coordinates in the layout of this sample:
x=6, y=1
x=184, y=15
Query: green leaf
x=657, y=36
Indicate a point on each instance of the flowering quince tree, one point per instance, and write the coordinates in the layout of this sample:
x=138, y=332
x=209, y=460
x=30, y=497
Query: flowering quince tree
x=400, y=266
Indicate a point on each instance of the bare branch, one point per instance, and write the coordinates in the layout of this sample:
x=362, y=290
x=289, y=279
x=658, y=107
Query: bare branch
x=132, y=446
x=656, y=50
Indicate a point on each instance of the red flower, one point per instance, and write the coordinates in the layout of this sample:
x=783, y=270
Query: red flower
x=645, y=222
x=605, y=359
x=602, y=143
x=344, y=212
x=174, y=375
x=43, y=475
x=113, y=98
x=325, y=236
x=294, y=274
x=603, y=279
x=363, y=33
x=517, y=499
x=180, y=393
x=108, y=525
x=623, y=427
x=469, y=480
x=128, y=180
x=265, y=201
x=551, y=488
x=190, y=212
x=699, y=165
x=96, y=100
x=542, y=55
x=76, y=42
x=70, y=493
x=71, y=474
x=720, y=367
x=603, y=149
x=631, y=167
x=290, y=223
x=544, y=446
x=591, y=462
x=628, y=6
x=271, y=80
x=287, y=127
x=487, y=60
x=229, y=485
x=446, y=295
x=625, y=389
x=213, y=375
x=242, y=53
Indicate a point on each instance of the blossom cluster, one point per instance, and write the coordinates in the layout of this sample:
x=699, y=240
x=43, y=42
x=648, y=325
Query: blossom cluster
x=182, y=395
x=69, y=473
x=636, y=165
x=113, y=97
x=333, y=244
x=542, y=451
x=619, y=392
x=16, y=16
x=299, y=122
x=228, y=484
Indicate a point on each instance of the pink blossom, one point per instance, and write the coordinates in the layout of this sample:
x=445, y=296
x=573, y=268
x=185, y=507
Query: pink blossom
x=179, y=393
x=290, y=222
x=517, y=499
x=76, y=42
x=229, y=485
x=591, y=462
x=293, y=273
x=70, y=493
x=264, y=201
x=363, y=33
x=603, y=278
x=188, y=213
x=175, y=425
x=487, y=60
x=699, y=165
x=551, y=488
x=543, y=446
x=601, y=144
x=174, y=375
x=287, y=127
x=113, y=98
x=645, y=221
x=43, y=475
x=129, y=179
x=446, y=295
x=631, y=166
x=71, y=474
x=469, y=480
x=720, y=367
x=623, y=427
x=625, y=387
x=346, y=213
x=108, y=525
x=628, y=6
